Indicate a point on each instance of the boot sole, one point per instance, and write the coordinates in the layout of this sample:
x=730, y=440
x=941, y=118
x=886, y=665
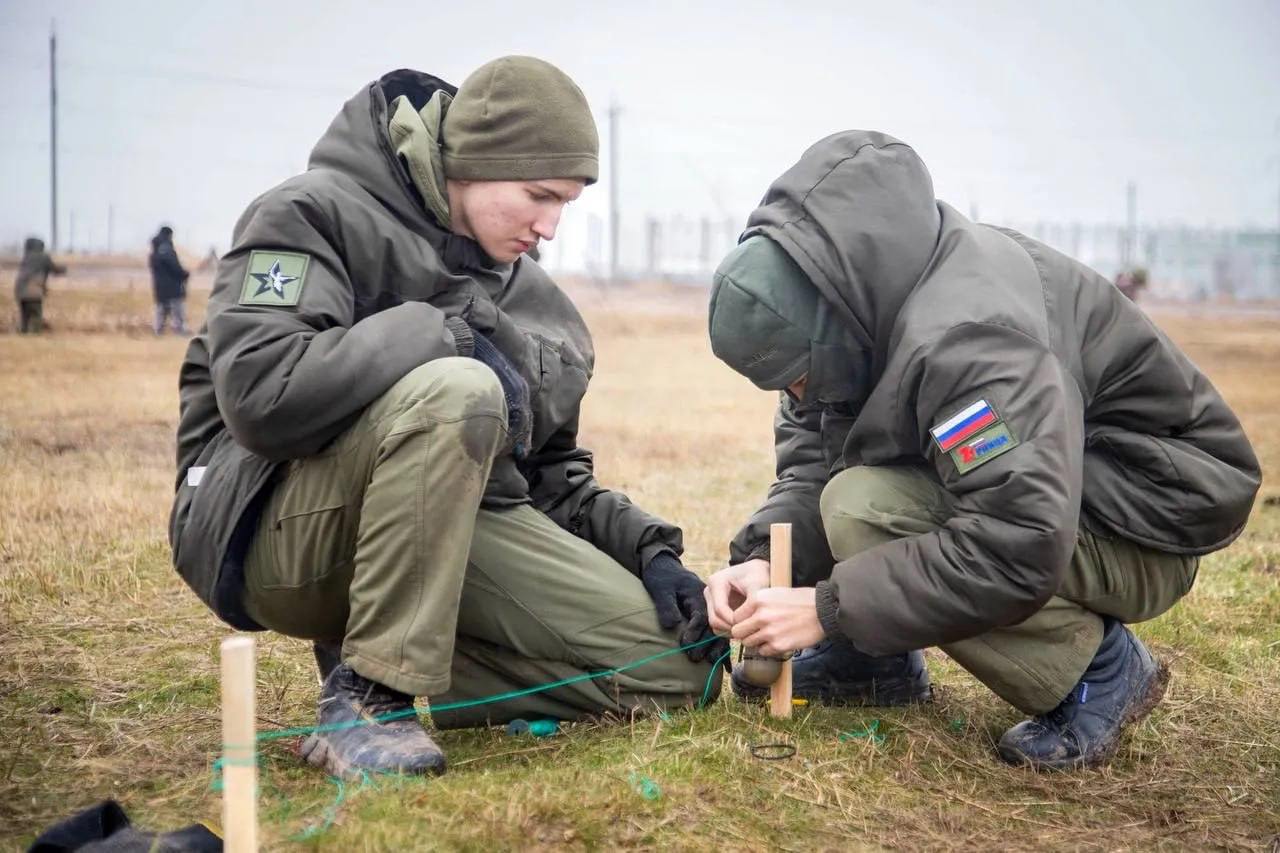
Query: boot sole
x=315, y=751
x=1136, y=712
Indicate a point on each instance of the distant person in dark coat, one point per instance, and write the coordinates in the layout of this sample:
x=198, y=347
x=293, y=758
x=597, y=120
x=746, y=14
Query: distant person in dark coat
x=168, y=282
x=32, y=283
x=1132, y=282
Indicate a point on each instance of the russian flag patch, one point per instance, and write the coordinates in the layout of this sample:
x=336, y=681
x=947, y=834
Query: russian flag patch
x=969, y=421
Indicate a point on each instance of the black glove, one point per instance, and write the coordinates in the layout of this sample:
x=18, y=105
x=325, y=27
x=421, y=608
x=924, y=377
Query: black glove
x=677, y=594
x=516, y=392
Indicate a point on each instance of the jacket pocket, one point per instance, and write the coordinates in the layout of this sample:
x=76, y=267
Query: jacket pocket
x=837, y=423
x=1116, y=577
x=314, y=524
x=562, y=383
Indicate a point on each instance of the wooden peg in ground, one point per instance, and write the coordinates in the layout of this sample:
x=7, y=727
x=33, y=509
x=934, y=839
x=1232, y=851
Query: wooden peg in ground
x=780, y=576
x=761, y=670
x=239, y=746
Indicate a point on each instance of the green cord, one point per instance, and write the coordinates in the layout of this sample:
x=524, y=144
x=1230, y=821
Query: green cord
x=645, y=786
x=502, y=697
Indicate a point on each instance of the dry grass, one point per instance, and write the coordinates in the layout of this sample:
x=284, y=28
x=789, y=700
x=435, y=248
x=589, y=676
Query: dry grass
x=108, y=669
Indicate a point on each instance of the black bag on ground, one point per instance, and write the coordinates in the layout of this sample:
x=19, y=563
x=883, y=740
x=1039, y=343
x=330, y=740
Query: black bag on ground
x=105, y=828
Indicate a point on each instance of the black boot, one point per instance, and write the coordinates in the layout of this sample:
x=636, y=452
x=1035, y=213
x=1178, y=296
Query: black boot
x=368, y=727
x=836, y=673
x=1121, y=686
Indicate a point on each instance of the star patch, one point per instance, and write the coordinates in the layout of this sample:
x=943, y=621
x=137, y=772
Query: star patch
x=274, y=278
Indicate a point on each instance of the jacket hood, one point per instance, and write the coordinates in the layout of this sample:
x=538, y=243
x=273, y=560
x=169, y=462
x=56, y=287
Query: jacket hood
x=32, y=245
x=857, y=213
x=358, y=143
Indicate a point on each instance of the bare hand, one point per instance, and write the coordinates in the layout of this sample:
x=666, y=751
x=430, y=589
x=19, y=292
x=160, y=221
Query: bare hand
x=774, y=621
x=728, y=588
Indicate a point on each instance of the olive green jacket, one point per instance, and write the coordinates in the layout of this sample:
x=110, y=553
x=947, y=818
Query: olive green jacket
x=263, y=383
x=32, y=282
x=1108, y=422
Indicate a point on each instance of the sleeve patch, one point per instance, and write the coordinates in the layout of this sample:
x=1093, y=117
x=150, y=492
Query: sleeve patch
x=982, y=448
x=969, y=421
x=274, y=278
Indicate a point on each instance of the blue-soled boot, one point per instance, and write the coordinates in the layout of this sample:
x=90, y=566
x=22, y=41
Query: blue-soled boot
x=836, y=673
x=366, y=727
x=1121, y=686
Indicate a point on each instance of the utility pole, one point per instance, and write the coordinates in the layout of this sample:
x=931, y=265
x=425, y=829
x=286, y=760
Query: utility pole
x=615, y=249
x=53, y=139
x=1131, y=233
x=704, y=247
x=654, y=249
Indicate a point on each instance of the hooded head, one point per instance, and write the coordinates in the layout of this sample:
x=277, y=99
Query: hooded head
x=858, y=214
x=769, y=322
x=32, y=246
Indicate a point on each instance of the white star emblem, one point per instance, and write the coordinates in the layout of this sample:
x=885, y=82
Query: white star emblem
x=272, y=280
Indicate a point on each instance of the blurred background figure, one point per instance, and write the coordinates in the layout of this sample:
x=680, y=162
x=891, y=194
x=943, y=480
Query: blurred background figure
x=168, y=282
x=32, y=284
x=1131, y=282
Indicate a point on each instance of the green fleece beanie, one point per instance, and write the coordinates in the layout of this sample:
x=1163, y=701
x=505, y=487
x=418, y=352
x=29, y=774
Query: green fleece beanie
x=520, y=119
x=764, y=314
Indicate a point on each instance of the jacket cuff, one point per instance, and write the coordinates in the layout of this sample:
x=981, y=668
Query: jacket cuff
x=667, y=556
x=464, y=340
x=759, y=552
x=828, y=609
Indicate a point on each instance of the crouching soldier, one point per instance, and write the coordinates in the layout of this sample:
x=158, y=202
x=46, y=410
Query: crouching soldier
x=378, y=439
x=983, y=445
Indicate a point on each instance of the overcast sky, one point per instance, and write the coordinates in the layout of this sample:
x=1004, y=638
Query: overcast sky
x=182, y=113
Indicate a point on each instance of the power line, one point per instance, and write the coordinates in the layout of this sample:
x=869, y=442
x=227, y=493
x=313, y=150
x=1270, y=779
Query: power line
x=208, y=78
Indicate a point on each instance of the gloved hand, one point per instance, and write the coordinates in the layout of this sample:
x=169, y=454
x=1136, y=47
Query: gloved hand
x=677, y=595
x=516, y=392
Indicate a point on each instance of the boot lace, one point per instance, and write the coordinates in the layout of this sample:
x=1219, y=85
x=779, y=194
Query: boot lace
x=378, y=700
x=1059, y=715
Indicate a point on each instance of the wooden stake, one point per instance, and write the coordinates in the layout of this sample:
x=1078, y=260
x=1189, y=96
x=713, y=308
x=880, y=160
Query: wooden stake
x=780, y=576
x=239, y=746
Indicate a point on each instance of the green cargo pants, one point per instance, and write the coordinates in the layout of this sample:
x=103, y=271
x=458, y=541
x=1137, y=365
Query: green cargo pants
x=30, y=316
x=379, y=541
x=1032, y=665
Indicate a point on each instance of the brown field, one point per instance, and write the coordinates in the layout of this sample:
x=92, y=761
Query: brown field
x=108, y=669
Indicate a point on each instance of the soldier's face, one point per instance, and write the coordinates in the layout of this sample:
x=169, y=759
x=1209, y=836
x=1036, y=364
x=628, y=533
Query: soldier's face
x=509, y=218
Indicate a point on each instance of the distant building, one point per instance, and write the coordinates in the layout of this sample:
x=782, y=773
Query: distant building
x=1196, y=264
